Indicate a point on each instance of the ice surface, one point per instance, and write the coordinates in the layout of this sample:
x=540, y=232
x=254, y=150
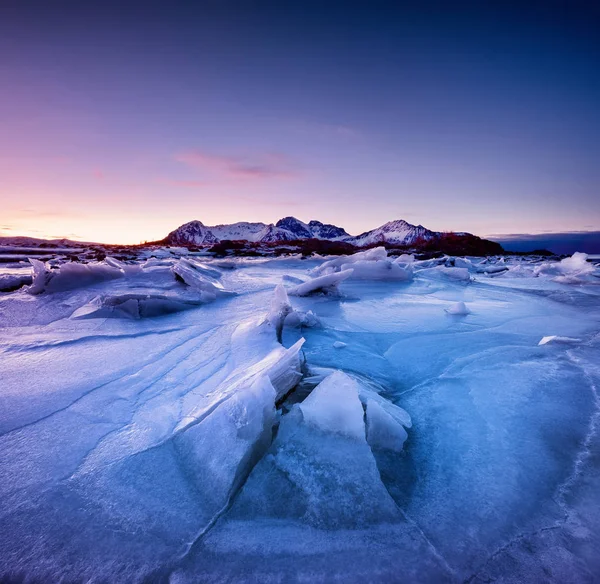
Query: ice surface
x=238, y=441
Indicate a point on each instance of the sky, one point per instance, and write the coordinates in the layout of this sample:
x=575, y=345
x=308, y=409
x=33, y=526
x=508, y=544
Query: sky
x=121, y=121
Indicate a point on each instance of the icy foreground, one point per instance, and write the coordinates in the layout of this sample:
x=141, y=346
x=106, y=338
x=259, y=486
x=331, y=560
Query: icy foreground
x=363, y=418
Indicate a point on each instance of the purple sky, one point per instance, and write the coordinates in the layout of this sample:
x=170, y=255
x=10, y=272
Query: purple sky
x=120, y=121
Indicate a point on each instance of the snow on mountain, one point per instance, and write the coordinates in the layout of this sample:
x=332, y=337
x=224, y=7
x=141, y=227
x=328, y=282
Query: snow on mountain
x=296, y=227
x=399, y=231
x=290, y=228
x=192, y=233
x=238, y=231
x=271, y=234
x=327, y=231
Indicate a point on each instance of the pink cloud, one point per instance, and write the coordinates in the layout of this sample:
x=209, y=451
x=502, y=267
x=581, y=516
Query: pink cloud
x=264, y=166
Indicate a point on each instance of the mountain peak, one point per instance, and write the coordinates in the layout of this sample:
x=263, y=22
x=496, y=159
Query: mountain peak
x=295, y=226
x=192, y=233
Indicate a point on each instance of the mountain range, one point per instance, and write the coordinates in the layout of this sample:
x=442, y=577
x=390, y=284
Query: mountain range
x=397, y=232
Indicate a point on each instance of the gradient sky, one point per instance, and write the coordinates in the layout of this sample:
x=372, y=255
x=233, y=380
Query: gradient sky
x=120, y=121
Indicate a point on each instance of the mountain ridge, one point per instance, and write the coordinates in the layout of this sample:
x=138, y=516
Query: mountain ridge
x=398, y=232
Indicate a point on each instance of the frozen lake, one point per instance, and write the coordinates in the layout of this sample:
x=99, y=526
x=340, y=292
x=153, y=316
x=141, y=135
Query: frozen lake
x=356, y=419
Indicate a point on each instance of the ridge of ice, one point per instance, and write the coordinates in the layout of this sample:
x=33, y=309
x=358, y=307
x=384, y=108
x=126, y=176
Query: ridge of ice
x=327, y=284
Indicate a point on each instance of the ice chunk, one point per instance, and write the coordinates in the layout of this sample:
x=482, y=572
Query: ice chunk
x=576, y=263
x=283, y=314
x=11, y=282
x=333, y=406
x=459, y=308
x=151, y=263
x=572, y=270
x=292, y=279
x=458, y=274
x=224, y=264
x=383, y=431
x=492, y=270
x=128, y=269
x=463, y=263
x=367, y=394
x=431, y=263
x=254, y=339
x=379, y=270
x=557, y=339
x=299, y=318
x=212, y=456
x=219, y=450
x=405, y=258
x=134, y=306
x=69, y=276
x=280, y=308
x=320, y=470
x=327, y=284
x=335, y=265
x=200, y=278
x=339, y=345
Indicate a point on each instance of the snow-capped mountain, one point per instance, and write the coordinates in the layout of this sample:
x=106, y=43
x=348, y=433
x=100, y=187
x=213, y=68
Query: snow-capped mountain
x=238, y=231
x=289, y=229
x=299, y=229
x=192, y=233
x=271, y=234
x=327, y=231
x=399, y=232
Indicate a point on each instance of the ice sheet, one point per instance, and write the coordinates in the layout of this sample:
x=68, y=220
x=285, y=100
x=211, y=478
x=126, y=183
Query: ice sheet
x=361, y=436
